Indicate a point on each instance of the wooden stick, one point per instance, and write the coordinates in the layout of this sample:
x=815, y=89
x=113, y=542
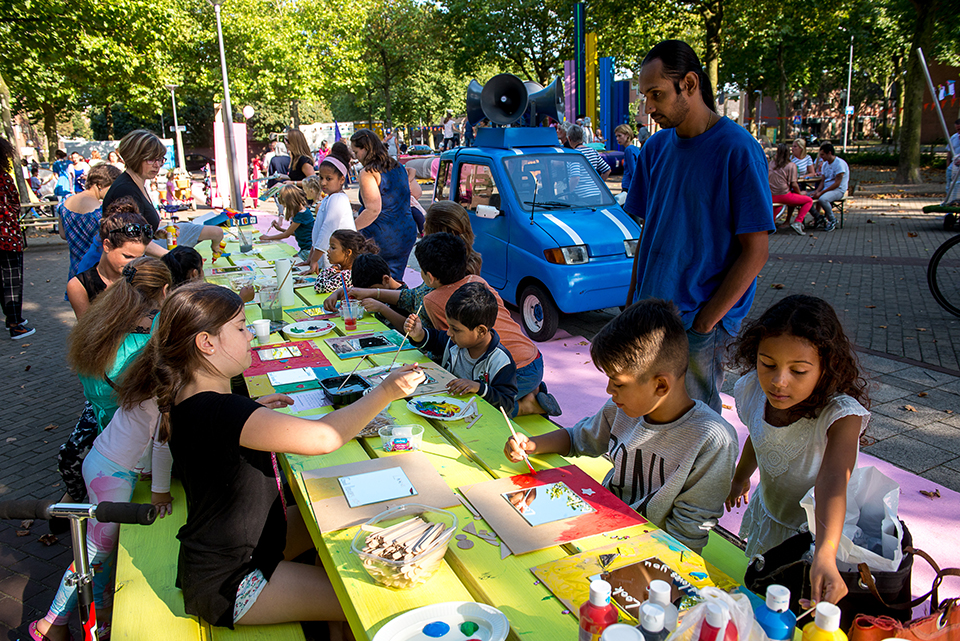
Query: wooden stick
x=356, y=367
x=403, y=341
x=512, y=431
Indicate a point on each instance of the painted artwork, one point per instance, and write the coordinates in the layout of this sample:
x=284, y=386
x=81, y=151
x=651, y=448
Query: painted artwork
x=359, y=345
x=234, y=269
x=569, y=577
x=607, y=512
x=547, y=503
x=308, y=356
x=316, y=312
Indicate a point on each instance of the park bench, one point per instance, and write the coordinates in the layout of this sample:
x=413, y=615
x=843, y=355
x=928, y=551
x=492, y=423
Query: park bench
x=147, y=604
x=49, y=216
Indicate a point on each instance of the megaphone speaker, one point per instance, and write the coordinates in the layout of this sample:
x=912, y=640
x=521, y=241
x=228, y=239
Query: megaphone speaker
x=547, y=102
x=474, y=109
x=503, y=99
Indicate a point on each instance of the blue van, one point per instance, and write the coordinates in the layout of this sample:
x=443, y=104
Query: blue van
x=552, y=237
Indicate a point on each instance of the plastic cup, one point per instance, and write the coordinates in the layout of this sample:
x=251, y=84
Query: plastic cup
x=400, y=438
x=350, y=312
x=262, y=329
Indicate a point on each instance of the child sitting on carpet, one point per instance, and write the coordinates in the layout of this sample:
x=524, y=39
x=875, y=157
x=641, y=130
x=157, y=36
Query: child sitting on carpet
x=301, y=220
x=802, y=399
x=443, y=260
x=672, y=456
x=471, y=347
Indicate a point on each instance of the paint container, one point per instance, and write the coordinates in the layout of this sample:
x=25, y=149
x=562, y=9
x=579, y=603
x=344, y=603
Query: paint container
x=774, y=616
x=651, y=622
x=659, y=592
x=597, y=614
x=825, y=625
x=621, y=632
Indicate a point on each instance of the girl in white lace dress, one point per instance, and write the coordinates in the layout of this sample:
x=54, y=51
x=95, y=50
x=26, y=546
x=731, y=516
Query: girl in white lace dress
x=802, y=399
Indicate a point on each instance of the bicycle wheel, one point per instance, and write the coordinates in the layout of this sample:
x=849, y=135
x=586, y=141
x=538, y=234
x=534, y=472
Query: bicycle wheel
x=943, y=275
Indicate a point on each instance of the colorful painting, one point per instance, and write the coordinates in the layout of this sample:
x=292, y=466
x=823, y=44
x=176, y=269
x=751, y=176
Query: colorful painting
x=359, y=345
x=316, y=312
x=569, y=577
x=310, y=356
x=547, y=503
x=608, y=514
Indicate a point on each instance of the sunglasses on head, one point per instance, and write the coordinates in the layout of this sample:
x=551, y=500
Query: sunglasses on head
x=135, y=231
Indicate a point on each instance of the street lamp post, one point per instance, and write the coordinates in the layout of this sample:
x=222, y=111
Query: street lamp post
x=759, y=111
x=181, y=163
x=236, y=197
x=846, y=111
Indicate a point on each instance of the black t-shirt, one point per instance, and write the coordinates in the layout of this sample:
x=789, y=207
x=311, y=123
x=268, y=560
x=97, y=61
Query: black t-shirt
x=279, y=164
x=124, y=186
x=92, y=282
x=296, y=172
x=235, y=520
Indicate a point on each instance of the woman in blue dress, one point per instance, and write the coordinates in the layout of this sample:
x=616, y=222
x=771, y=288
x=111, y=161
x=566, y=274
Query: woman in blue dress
x=385, y=202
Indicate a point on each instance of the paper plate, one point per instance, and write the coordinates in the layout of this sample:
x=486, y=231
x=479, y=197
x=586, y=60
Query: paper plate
x=308, y=329
x=491, y=623
x=450, y=408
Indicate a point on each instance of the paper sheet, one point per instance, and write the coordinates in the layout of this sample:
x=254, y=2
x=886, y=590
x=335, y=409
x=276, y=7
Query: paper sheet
x=303, y=401
x=376, y=487
x=287, y=376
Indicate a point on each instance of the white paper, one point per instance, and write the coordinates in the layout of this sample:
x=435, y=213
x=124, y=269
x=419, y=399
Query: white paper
x=288, y=376
x=376, y=487
x=309, y=400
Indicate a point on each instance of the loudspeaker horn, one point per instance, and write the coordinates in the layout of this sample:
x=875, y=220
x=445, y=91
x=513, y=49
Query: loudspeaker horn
x=504, y=99
x=547, y=102
x=474, y=108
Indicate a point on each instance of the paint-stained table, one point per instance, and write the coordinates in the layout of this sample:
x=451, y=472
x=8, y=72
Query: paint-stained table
x=461, y=455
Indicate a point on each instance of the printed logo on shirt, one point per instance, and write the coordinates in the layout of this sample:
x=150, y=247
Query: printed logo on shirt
x=645, y=479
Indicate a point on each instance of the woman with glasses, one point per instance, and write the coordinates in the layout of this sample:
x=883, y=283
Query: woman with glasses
x=124, y=235
x=143, y=153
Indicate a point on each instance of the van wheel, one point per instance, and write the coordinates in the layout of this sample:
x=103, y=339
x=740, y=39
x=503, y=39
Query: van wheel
x=538, y=313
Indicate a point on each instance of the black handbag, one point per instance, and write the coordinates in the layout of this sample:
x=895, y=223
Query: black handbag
x=870, y=592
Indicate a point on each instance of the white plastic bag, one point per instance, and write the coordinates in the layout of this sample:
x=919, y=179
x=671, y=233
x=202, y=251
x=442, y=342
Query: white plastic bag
x=741, y=613
x=871, y=530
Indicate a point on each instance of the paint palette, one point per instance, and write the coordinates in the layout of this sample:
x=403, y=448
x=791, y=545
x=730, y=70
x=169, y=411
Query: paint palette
x=308, y=329
x=452, y=621
x=441, y=408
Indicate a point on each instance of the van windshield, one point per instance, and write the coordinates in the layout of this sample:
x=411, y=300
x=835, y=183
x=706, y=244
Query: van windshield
x=561, y=181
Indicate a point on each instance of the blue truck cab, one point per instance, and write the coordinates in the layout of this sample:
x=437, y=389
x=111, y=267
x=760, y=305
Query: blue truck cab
x=552, y=238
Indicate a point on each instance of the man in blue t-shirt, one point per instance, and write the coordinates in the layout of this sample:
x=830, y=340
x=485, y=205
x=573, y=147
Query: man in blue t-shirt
x=701, y=187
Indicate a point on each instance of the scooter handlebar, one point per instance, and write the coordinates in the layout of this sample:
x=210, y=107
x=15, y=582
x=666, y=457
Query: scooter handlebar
x=136, y=513
x=25, y=509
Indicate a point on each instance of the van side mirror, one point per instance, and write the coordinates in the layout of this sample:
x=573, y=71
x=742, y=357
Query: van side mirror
x=487, y=211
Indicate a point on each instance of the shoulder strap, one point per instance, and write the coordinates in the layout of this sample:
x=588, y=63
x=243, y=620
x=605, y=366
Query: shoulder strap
x=867, y=580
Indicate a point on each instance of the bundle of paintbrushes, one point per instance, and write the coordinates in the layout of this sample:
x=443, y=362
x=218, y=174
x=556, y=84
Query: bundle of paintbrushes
x=405, y=554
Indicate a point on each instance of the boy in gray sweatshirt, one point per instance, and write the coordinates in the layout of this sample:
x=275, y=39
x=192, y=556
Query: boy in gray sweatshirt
x=673, y=457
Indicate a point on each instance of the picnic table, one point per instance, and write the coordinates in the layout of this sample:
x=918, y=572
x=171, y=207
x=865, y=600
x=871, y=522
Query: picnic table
x=462, y=454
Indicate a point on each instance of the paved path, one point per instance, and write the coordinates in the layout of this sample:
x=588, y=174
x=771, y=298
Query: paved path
x=872, y=272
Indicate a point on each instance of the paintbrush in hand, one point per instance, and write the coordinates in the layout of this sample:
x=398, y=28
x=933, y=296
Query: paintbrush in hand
x=526, y=459
x=403, y=341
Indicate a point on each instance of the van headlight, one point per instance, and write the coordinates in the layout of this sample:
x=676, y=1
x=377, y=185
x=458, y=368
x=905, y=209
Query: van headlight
x=630, y=246
x=573, y=255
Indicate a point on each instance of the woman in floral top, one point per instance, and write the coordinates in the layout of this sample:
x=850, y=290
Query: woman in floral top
x=11, y=247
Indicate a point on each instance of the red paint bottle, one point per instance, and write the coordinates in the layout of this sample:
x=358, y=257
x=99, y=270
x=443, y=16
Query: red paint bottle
x=717, y=625
x=597, y=613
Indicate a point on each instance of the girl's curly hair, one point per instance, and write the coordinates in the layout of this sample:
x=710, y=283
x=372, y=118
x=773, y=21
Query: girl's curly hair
x=814, y=320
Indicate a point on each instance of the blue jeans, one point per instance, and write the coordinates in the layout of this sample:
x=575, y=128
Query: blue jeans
x=529, y=378
x=705, y=371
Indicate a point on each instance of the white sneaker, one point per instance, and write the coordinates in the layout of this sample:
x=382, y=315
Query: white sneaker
x=797, y=227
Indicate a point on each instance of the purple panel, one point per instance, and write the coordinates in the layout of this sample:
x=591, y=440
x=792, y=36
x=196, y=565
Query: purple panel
x=570, y=90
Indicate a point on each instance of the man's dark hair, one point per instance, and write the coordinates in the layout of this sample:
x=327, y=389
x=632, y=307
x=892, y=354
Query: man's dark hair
x=957, y=121
x=828, y=148
x=679, y=59
x=368, y=270
x=444, y=256
x=472, y=305
x=646, y=338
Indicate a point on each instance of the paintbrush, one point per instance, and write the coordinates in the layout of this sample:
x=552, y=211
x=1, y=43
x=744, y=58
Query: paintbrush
x=403, y=341
x=356, y=367
x=526, y=459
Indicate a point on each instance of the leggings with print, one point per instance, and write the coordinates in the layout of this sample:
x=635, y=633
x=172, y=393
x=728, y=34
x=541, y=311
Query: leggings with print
x=106, y=481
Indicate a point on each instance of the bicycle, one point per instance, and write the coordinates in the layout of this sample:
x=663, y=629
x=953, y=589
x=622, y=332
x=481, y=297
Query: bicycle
x=78, y=513
x=943, y=275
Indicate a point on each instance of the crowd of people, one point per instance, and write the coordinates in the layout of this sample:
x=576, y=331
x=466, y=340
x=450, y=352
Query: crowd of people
x=158, y=351
x=830, y=174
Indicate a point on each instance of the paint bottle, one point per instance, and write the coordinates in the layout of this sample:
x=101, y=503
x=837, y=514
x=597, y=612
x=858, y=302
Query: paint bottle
x=221, y=250
x=659, y=592
x=717, y=625
x=597, y=614
x=825, y=625
x=774, y=616
x=651, y=622
x=171, y=235
x=621, y=632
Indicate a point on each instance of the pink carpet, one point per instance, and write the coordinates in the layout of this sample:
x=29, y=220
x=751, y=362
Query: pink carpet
x=579, y=387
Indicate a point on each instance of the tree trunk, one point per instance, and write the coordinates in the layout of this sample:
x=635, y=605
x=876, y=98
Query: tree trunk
x=897, y=99
x=8, y=132
x=712, y=12
x=108, y=118
x=886, y=108
x=295, y=114
x=908, y=169
x=50, y=130
x=782, y=97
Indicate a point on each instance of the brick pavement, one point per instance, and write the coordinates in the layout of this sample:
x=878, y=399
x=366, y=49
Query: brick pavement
x=872, y=272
